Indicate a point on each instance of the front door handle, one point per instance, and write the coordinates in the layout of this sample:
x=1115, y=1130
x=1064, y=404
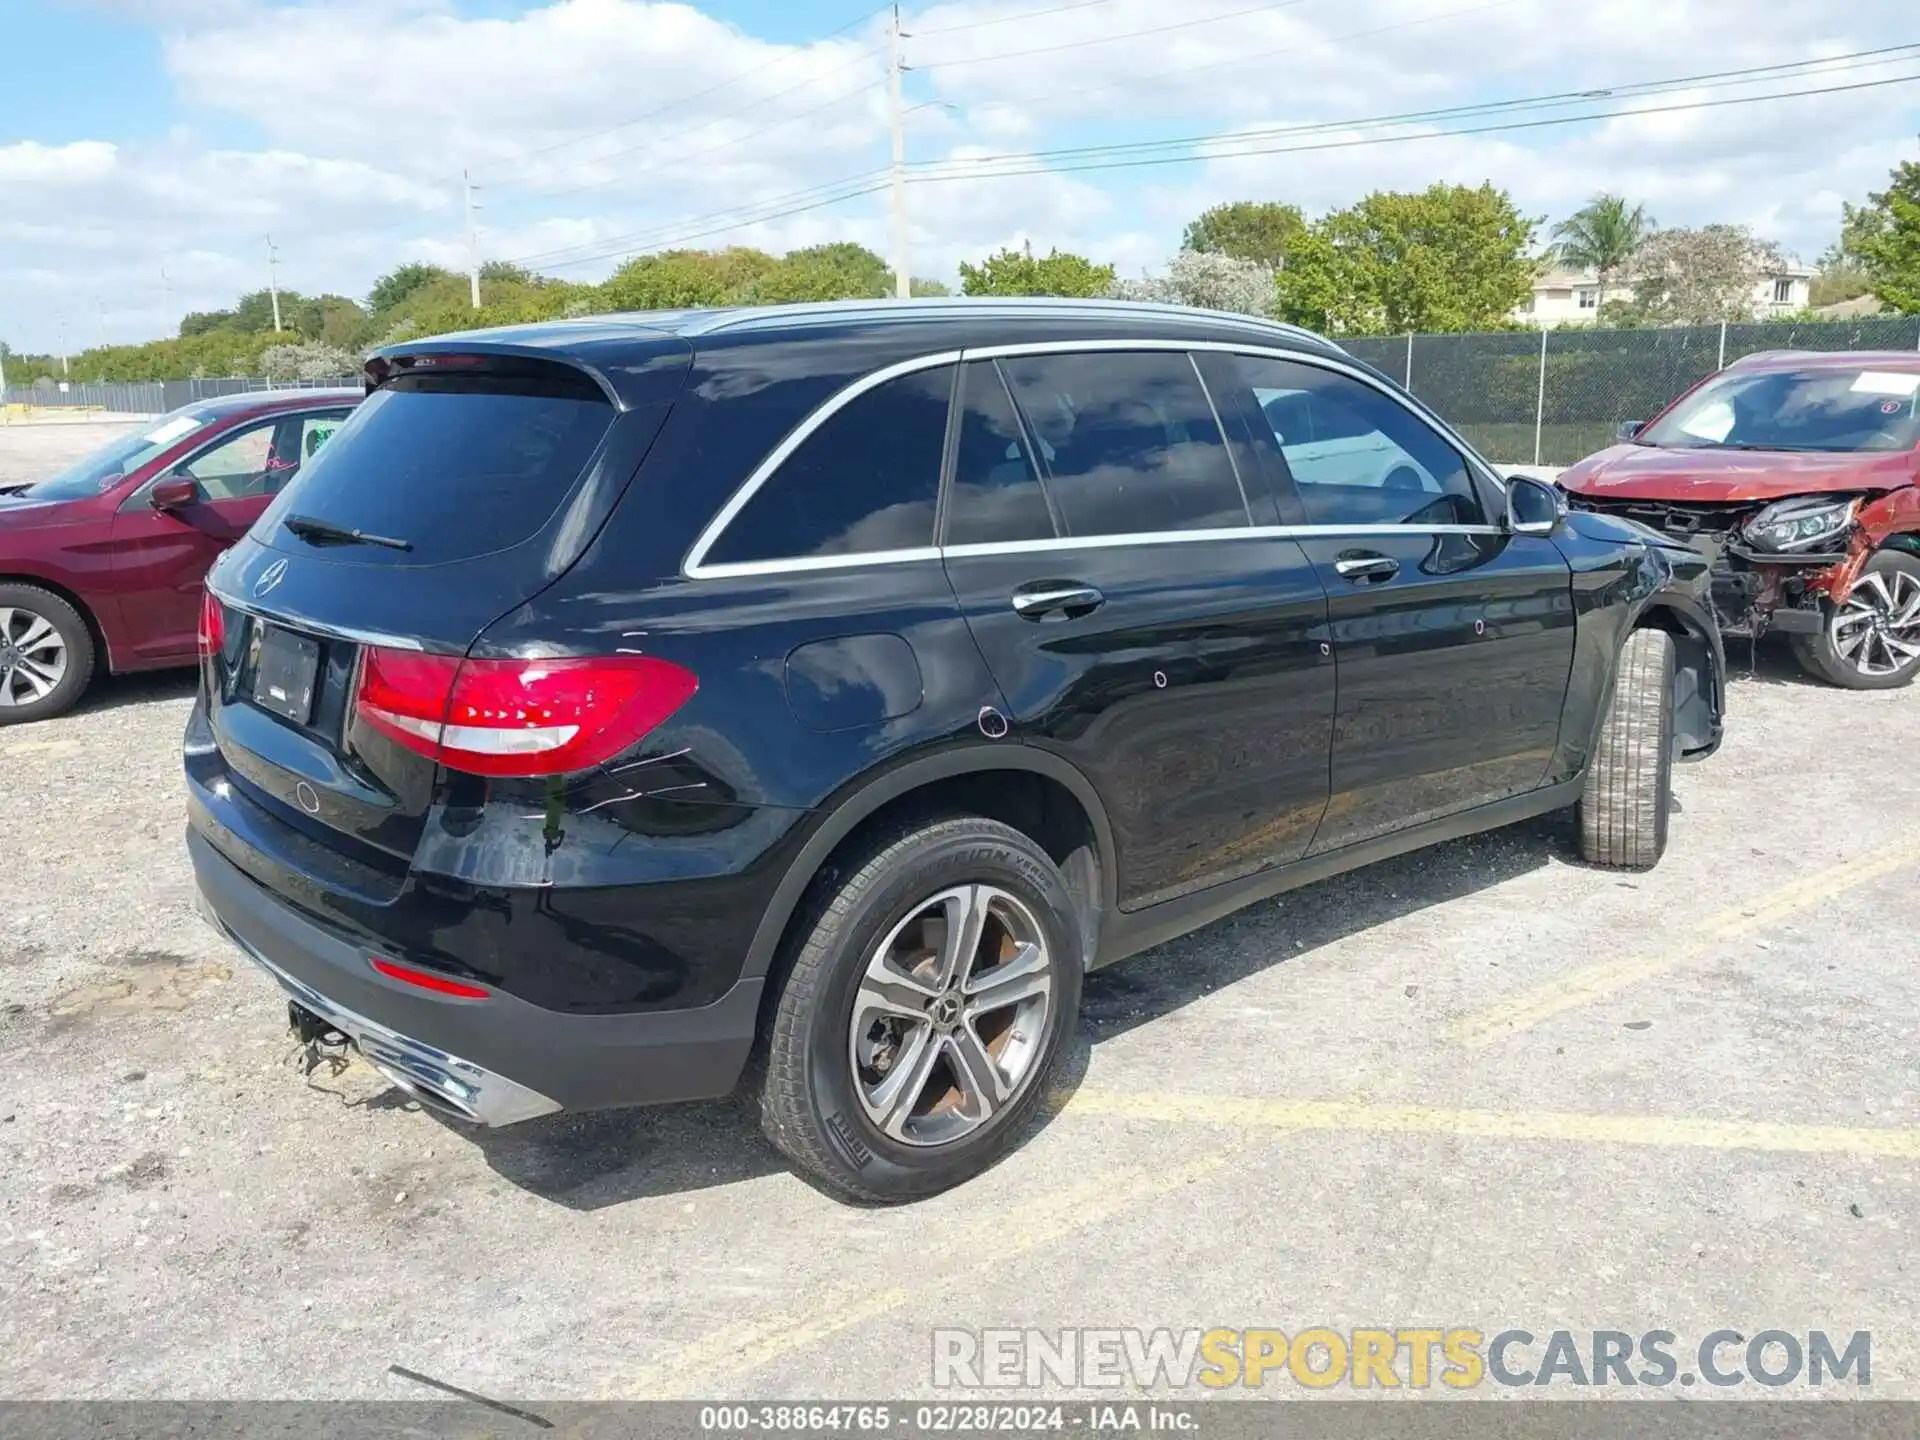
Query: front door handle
x=1365, y=566
x=1056, y=599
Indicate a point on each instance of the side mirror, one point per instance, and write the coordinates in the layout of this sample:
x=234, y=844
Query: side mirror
x=176, y=492
x=1629, y=428
x=1533, y=506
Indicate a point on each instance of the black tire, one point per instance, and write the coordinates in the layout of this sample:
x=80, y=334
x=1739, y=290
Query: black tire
x=25, y=667
x=1629, y=793
x=1888, y=587
x=815, y=1093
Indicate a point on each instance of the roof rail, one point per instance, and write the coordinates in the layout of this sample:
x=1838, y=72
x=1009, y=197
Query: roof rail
x=823, y=312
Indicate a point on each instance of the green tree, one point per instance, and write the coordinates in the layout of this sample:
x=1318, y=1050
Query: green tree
x=397, y=284
x=1602, y=236
x=1256, y=230
x=1836, y=282
x=199, y=322
x=1448, y=257
x=1020, y=272
x=821, y=272
x=332, y=319
x=1884, y=235
x=672, y=280
x=253, y=313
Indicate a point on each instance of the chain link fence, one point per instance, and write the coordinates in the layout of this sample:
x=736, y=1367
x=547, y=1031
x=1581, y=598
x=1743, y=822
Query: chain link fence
x=1551, y=397
x=153, y=397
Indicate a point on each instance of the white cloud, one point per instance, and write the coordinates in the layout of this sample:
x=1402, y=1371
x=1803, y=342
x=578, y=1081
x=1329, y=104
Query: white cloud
x=593, y=126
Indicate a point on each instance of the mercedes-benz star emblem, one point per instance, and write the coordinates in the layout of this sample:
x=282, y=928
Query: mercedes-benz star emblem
x=270, y=578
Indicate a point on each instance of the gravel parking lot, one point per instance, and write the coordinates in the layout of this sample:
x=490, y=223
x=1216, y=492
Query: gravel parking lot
x=1479, y=1086
x=32, y=451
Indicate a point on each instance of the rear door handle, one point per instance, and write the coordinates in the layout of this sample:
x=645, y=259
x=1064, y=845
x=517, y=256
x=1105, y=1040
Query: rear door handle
x=1362, y=567
x=1064, y=599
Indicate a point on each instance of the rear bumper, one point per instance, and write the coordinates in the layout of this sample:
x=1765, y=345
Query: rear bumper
x=498, y=1060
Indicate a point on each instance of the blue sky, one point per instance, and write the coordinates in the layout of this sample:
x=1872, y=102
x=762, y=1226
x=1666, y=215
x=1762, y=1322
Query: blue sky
x=142, y=136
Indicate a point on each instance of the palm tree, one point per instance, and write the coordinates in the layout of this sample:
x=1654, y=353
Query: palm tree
x=1603, y=236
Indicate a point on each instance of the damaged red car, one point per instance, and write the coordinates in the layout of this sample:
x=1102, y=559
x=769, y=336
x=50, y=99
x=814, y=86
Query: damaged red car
x=1798, y=476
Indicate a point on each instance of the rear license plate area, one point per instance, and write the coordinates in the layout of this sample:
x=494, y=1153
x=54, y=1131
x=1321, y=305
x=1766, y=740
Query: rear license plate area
x=286, y=673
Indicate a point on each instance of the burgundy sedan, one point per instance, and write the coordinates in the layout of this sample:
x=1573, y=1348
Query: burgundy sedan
x=101, y=566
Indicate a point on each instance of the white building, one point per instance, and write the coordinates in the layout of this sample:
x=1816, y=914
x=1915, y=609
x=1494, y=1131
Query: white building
x=1572, y=297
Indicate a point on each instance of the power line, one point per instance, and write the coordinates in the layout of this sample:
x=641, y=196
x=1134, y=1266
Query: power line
x=1054, y=92
x=1713, y=79
x=1128, y=164
x=711, y=121
x=682, y=159
x=959, y=168
x=919, y=34
x=675, y=104
x=648, y=238
x=863, y=90
x=1108, y=39
x=852, y=188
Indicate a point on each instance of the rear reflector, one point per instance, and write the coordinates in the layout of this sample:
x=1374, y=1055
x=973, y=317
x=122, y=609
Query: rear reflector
x=213, y=624
x=427, y=980
x=518, y=717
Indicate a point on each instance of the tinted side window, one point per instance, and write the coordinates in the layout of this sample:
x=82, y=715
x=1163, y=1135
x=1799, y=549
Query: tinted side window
x=865, y=480
x=1358, y=456
x=996, y=492
x=1128, y=443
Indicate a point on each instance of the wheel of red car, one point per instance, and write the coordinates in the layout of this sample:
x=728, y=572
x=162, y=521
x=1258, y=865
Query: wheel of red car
x=1871, y=640
x=46, y=654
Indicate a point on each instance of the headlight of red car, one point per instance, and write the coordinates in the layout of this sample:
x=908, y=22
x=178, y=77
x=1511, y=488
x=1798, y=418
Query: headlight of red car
x=1801, y=524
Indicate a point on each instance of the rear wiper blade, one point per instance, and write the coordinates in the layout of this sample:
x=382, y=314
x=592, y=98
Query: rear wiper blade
x=322, y=532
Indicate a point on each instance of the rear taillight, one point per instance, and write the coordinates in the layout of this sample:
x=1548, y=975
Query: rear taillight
x=426, y=980
x=213, y=624
x=518, y=717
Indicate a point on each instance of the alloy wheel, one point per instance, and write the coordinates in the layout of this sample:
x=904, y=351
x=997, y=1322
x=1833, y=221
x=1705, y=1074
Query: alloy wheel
x=33, y=657
x=951, y=1015
x=1877, y=629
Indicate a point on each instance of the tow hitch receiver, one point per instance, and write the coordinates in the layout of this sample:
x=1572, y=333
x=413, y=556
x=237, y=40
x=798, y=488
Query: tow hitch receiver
x=320, y=1043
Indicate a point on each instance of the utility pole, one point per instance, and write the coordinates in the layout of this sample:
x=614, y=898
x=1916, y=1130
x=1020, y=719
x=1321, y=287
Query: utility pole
x=902, y=283
x=166, y=297
x=63, y=343
x=273, y=281
x=473, y=244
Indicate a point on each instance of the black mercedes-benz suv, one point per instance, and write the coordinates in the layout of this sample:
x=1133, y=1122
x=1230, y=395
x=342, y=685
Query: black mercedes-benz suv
x=616, y=701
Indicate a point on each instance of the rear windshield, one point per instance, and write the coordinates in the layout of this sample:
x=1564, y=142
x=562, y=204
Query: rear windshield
x=1825, y=409
x=452, y=466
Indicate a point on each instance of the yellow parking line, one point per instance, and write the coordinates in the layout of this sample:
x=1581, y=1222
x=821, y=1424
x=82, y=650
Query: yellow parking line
x=1259, y=1112
x=952, y=1254
x=1582, y=986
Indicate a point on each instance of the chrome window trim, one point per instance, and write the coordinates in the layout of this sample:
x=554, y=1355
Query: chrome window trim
x=1184, y=537
x=749, y=568
x=695, y=566
x=317, y=627
x=799, y=564
x=1270, y=352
